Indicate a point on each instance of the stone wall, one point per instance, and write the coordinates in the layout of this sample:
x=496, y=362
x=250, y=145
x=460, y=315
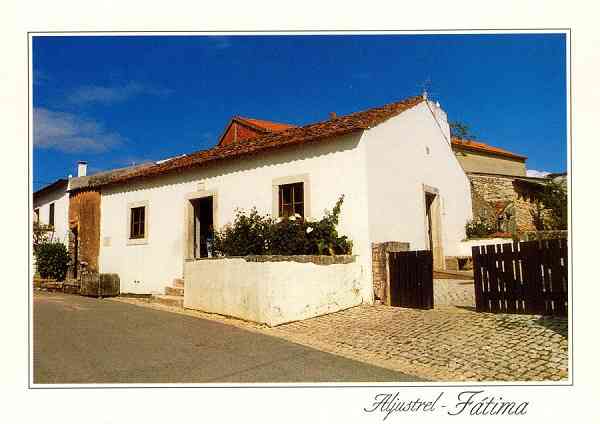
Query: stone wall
x=379, y=257
x=84, y=218
x=499, y=192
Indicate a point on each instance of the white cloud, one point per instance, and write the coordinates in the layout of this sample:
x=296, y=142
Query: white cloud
x=71, y=134
x=538, y=174
x=114, y=94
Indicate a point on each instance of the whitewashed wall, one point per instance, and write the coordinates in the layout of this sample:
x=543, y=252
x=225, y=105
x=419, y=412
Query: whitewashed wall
x=271, y=293
x=398, y=164
x=60, y=198
x=335, y=168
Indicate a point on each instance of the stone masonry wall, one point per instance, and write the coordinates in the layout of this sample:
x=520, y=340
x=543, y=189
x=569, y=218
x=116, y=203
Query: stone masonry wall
x=379, y=251
x=500, y=191
x=84, y=215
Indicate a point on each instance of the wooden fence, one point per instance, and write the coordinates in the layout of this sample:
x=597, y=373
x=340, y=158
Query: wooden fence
x=411, y=279
x=525, y=277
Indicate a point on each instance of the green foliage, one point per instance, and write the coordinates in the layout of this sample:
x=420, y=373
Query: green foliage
x=52, y=260
x=255, y=234
x=460, y=130
x=477, y=228
x=551, y=208
x=249, y=235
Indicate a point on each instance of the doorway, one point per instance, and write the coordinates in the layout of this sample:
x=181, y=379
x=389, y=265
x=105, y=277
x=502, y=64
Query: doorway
x=202, y=227
x=433, y=224
x=74, y=253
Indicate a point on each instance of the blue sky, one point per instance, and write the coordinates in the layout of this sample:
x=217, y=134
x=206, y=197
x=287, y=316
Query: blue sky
x=114, y=100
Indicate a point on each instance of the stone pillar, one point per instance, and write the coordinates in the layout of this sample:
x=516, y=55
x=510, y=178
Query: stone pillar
x=379, y=253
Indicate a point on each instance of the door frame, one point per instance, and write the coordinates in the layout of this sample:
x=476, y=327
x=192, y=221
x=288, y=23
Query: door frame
x=439, y=262
x=188, y=227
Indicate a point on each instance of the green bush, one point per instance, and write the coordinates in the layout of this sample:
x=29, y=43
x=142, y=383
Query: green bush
x=52, y=260
x=255, y=234
x=248, y=235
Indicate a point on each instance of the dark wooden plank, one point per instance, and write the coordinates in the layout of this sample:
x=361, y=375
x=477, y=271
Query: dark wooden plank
x=519, y=285
x=429, y=281
x=509, y=285
x=556, y=284
x=493, y=279
x=478, y=283
x=485, y=278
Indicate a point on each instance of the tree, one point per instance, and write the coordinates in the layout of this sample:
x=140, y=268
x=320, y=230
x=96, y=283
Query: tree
x=553, y=200
x=460, y=130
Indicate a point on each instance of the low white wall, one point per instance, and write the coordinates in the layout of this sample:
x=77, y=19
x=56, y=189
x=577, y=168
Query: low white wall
x=271, y=293
x=465, y=246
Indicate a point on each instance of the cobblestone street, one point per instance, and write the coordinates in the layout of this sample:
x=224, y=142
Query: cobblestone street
x=444, y=344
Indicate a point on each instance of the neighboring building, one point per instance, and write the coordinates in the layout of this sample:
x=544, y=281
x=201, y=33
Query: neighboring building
x=51, y=208
x=507, y=201
x=394, y=164
x=475, y=156
x=84, y=218
x=502, y=193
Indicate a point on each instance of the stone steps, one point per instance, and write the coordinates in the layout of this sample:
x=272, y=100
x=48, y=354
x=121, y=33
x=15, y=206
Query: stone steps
x=174, y=291
x=168, y=300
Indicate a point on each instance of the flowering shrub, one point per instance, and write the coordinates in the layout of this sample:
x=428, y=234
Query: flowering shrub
x=255, y=234
x=479, y=228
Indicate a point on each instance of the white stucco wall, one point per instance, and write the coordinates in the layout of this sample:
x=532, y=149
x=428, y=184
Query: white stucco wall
x=334, y=168
x=402, y=155
x=60, y=198
x=271, y=293
x=465, y=247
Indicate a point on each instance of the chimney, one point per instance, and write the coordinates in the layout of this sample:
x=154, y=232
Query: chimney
x=332, y=115
x=81, y=168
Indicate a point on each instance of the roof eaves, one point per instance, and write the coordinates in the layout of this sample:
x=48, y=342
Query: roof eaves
x=343, y=125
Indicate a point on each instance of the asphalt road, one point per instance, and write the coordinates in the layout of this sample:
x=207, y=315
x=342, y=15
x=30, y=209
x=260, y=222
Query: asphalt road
x=84, y=340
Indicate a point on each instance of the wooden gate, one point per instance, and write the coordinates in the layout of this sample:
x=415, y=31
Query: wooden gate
x=527, y=277
x=411, y=279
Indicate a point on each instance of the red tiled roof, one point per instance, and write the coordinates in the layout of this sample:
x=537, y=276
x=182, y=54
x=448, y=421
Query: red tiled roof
x=266, y=126
x=484, y=148
x=273, y=140
x=250, y=128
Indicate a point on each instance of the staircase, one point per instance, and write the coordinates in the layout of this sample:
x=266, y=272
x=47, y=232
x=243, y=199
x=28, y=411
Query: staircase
x=173, y=294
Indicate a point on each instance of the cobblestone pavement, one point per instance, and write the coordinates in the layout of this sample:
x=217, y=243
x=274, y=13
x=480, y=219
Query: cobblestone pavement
x=447, y=343
x=443, y=344
x=447, y=292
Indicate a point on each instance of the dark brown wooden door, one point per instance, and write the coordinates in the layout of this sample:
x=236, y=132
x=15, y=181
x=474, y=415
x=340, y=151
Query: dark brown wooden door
x=411, y=279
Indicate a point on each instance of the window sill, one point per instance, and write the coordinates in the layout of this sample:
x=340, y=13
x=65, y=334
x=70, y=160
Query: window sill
x=136, y=242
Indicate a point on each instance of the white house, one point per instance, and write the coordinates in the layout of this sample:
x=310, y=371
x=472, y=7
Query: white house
x=394, y=164
x=51, y=209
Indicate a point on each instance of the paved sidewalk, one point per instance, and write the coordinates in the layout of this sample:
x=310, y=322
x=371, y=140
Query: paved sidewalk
x=444, y=344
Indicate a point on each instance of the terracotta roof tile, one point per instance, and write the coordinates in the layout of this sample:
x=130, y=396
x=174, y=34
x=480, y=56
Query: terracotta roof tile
x=273, y=140
x=484, y=148
x=267, y=126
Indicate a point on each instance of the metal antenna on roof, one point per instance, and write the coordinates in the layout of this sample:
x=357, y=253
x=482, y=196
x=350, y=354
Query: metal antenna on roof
x=426, y=88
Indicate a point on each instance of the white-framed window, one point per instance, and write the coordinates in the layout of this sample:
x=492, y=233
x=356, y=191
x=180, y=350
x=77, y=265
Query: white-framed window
x=291, y=199
x=137, y=223
x=291, y=195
